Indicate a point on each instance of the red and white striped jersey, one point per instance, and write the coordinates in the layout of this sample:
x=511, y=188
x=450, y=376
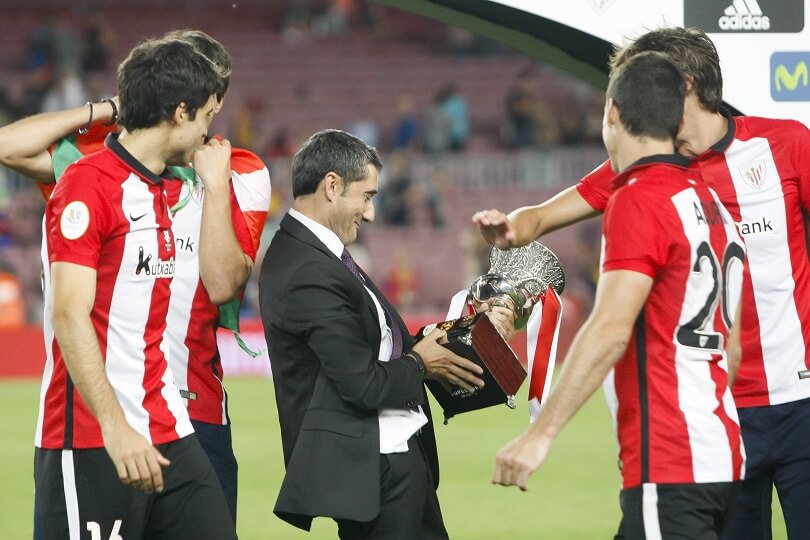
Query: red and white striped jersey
x=669, y=394
x=761, y=172
x=109, y=213
x=193, y=319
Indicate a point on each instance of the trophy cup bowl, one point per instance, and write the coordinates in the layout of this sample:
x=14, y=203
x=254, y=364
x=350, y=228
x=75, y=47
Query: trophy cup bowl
x=520, y=276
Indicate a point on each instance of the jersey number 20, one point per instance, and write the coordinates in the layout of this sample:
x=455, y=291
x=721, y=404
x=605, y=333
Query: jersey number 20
x=699, y=332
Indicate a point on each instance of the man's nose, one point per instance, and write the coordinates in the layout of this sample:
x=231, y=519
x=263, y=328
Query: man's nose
x=368, y=215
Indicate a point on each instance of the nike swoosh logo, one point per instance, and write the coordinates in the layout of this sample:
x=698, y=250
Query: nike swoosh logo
x=133, y=218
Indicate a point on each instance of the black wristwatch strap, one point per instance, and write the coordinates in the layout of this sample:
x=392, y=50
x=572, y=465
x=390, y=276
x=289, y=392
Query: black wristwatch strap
x=420, y=363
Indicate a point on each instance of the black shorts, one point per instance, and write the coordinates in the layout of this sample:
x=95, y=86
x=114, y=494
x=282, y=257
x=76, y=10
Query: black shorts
x=215, y=440
x=675, y=511
x=78, y=495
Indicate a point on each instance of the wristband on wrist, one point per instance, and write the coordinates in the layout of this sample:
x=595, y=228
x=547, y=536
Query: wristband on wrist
x=114, y=118
x=85, y=129
x=420, y=362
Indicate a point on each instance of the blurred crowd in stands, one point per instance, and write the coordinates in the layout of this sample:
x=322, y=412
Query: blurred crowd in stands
x=449, y=143
x=63, y=65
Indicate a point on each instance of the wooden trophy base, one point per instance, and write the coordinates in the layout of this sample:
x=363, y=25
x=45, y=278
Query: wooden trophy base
x=476, y=339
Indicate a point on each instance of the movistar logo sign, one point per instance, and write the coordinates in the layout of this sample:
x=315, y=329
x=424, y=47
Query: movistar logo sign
x=790, y=80
x=790, y=76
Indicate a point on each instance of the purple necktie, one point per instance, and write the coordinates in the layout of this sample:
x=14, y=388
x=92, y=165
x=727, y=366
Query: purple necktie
x=396, y=336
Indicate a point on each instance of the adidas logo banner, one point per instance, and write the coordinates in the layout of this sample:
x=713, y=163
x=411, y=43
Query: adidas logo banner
x=749, y=16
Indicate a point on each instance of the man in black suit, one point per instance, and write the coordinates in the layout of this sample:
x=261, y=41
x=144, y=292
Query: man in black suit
x=358, y=442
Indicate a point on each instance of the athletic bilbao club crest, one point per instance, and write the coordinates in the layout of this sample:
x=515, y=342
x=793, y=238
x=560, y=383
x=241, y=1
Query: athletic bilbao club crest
x=754, y=175
x=600, y=5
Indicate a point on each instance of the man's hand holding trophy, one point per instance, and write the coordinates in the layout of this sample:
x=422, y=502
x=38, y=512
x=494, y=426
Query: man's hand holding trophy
x=517, y=281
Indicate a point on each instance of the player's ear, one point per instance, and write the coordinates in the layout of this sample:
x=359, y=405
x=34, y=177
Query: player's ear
x=180, y=113
x=612, y=113
x=690, y=83
x=332, y=185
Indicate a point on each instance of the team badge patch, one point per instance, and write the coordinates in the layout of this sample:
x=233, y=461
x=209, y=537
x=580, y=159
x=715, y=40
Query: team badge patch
x=755, y=175
x=74, y=221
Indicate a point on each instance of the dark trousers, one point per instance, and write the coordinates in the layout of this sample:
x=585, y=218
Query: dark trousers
x=216, y=441
x=409, y=507
x=675, y=511
x=777, y=449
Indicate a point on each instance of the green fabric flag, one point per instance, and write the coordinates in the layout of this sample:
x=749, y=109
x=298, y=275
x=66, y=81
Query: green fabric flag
x=229, y=318
x=65, y=154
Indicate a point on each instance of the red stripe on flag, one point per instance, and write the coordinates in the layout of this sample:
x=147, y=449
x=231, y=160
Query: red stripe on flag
x=545, y=342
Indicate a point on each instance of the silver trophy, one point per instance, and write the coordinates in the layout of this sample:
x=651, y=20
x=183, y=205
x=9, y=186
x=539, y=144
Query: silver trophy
x=520, y=276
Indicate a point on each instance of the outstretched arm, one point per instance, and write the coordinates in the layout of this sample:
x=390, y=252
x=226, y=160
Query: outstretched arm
x=530, y=222
x=597, y=347
x=24, y=144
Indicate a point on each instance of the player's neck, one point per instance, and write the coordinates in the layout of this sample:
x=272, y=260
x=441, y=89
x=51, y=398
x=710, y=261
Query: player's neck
x=636, y=148
x=148, y=146
x=702, y=131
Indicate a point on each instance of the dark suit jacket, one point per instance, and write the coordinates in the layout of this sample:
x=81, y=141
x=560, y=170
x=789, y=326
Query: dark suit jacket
x=323, y=337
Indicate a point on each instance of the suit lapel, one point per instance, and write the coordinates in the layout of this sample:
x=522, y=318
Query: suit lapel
x=403, y=329
x=297, y=229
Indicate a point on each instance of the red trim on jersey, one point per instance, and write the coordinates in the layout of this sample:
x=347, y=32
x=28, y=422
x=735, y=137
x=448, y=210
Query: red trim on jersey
x=720, y=378
x=46, y=189
x=670, y=453
x=628, y=416
x=751, y=380
x=204, y=366
x=53, y=418
x=596, y=186
x=640, y=266
x=161, y=422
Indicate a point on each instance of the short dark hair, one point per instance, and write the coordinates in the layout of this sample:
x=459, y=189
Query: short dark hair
x=159, y=75
x=211, y=49
x=649, y=91
x=691, y=50
x=331, y=150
